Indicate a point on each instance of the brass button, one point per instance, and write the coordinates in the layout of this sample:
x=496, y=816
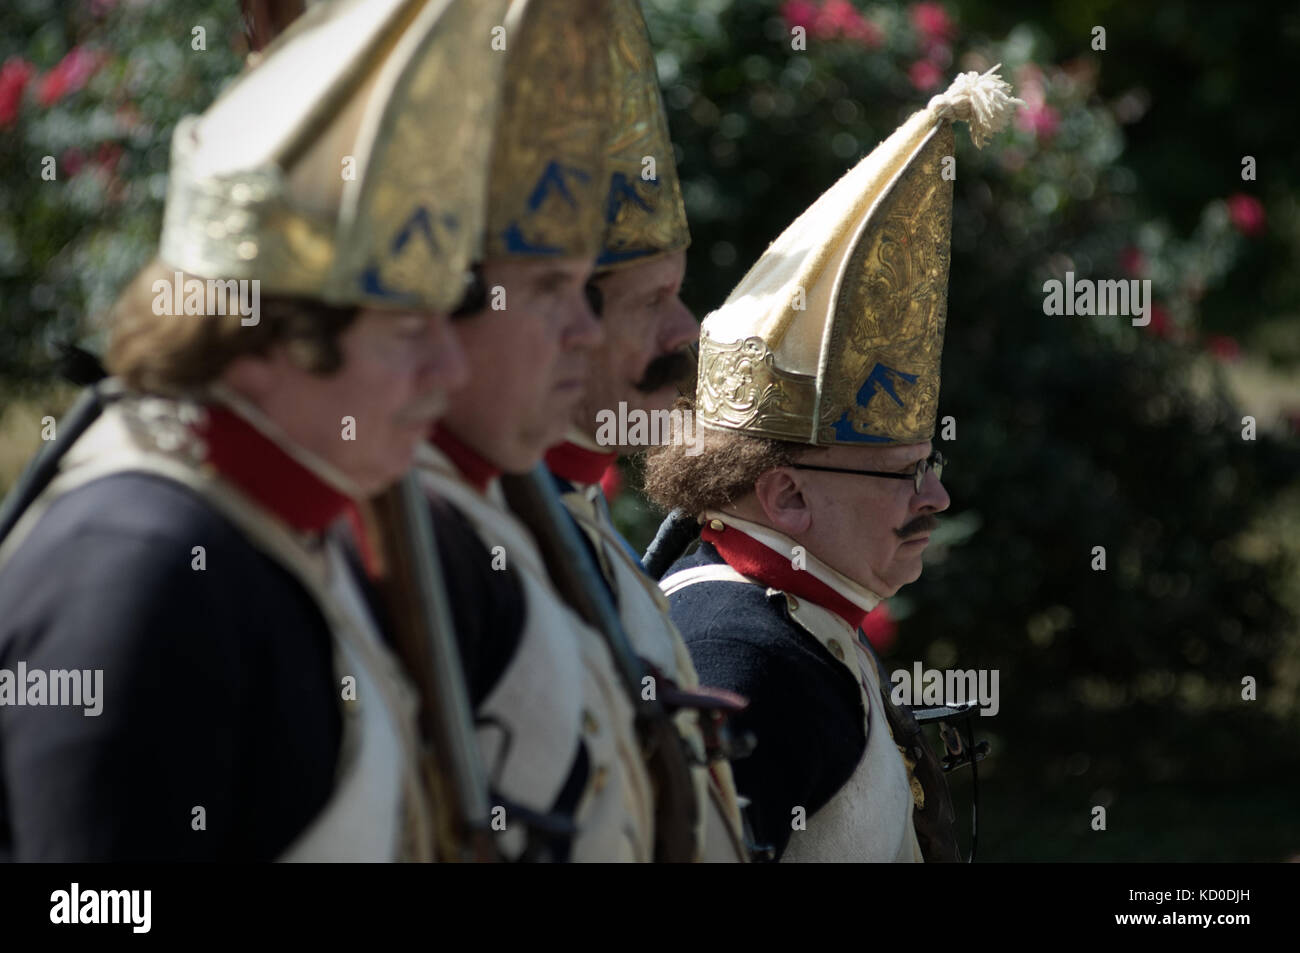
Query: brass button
x=600, y=780
x=717, y=525
x=589, y=723
x=836, y=649
x=792, y=602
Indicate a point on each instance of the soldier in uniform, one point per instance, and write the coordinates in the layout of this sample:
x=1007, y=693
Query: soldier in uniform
x=555, y=724
x=635, y=370
x=249, y=708
x=817, y=487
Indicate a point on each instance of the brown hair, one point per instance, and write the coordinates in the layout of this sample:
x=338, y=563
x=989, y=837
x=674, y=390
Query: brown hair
x=723, y=470
x=179, y=354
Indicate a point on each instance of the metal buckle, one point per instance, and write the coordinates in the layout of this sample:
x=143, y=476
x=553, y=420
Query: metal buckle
x=959, y=751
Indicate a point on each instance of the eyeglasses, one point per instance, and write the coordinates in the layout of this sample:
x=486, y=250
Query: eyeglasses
x=934, y=461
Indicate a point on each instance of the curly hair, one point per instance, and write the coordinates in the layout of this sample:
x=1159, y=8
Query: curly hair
x=723, y=470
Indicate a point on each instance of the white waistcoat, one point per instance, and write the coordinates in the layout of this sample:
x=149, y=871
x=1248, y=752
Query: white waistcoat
x=560, y=688
x=377, y=811
x=644, y=612
x=869, y=819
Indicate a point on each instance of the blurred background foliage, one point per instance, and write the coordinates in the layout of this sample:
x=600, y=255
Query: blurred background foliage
x=1120, y=688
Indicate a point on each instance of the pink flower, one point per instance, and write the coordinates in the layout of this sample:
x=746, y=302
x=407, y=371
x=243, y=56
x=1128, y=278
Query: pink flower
x=14, y=76
x=1040, y=119
x=1131, y=260
x=72, y=161
x=932, y=22
x=866, y=33
x=802, y=13
x=107, y=157
x=837, y=17
x=924, y=75
x=834, y=18
x=1223, y=347
x=880, y=628
x=72, y=73
x=1247, y=214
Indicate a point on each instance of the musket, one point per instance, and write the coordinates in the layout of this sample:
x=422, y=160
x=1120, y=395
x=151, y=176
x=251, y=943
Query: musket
x=573, y=570
x=675, y=534
x=43, y=467
x=424, y=635
x=264, y=20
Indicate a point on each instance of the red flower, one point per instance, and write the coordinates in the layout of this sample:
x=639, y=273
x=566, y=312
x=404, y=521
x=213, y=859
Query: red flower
x=1247, y=214
x=14, y=76
x=1222, y=347
x=932, y=22
x=1160, y=325
x=611, y=484
x=1131, y=260
x=880, y=628
x=924, y=75
x=1040, y=119
x=72, y=73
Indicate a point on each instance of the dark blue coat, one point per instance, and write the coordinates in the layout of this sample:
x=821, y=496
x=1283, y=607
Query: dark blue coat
x=805, y=709
x=218, y=685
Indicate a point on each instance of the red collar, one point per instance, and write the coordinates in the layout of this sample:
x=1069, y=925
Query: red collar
x=263, y=471
x=472, y=465
x=751, y=558
x=578, y=464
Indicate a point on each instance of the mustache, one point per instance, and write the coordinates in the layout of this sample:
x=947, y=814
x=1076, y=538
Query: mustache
x=665, y=369
x=923, y=524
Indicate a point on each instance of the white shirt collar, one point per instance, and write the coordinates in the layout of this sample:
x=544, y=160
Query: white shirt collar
x=778, y=542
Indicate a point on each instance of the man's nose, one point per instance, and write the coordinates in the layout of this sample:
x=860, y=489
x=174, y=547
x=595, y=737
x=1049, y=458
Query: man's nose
x=679, y=329
x=583, y=329
x=450, y=362
x=933, y=498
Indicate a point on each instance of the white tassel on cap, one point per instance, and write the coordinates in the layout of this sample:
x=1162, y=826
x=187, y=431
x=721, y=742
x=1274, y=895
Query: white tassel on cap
x=983, y=102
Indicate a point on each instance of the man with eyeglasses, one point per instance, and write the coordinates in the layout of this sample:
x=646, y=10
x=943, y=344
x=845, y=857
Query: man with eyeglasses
x=817, y=488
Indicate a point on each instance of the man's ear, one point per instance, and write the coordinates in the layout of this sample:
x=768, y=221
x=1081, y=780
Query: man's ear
x=780, y=494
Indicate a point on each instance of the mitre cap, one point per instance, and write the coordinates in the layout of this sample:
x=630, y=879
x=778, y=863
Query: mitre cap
x=835, y=335
x=349, y=163
x=644, y=213
x=546, y=185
